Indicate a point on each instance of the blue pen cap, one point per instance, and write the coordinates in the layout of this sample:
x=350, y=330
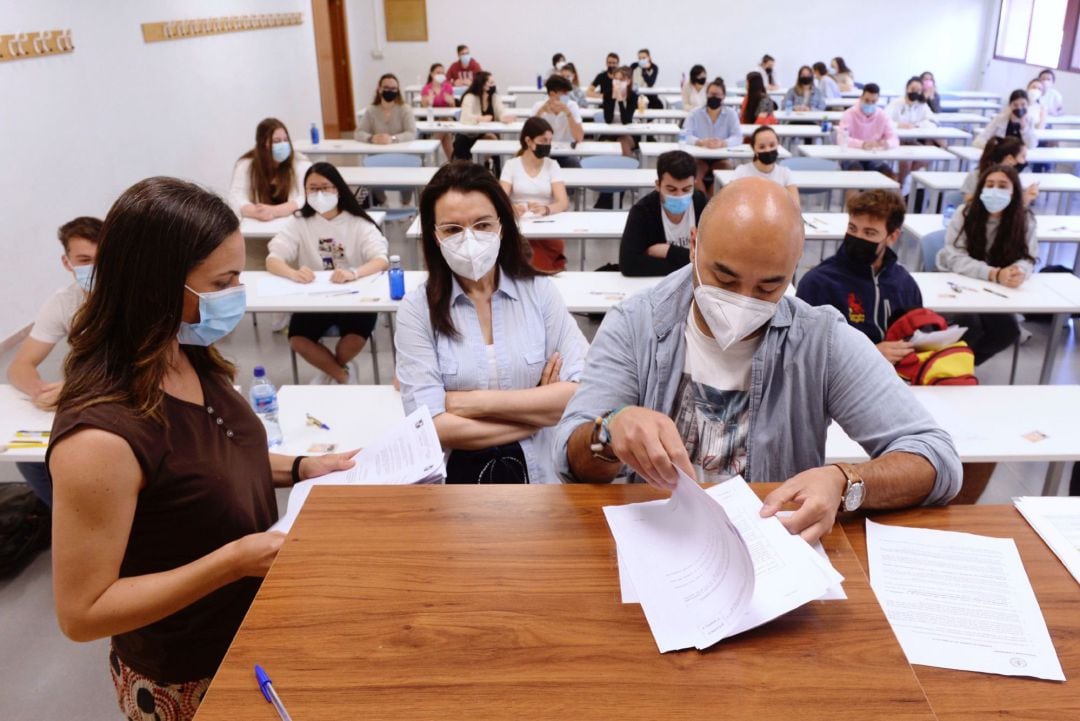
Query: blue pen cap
x=264, y=681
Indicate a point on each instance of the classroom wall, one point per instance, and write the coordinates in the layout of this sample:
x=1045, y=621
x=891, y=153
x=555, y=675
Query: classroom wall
x=76, y=130
x=882, y=43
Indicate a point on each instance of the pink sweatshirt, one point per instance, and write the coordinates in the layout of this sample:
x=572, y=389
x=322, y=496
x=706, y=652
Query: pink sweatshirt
x=859, y=127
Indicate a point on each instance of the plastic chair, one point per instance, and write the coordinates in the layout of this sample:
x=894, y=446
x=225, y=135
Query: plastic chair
x=396, y=160
x=951, y=197
x=930, y=245
x=335, y=332
x=618, y=162
x=813, y=164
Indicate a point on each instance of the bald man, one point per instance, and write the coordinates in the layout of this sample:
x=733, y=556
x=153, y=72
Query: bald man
x=716, y=371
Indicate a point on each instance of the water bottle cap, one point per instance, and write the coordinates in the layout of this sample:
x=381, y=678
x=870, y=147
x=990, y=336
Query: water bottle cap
x=260, y=372
x=395, y=258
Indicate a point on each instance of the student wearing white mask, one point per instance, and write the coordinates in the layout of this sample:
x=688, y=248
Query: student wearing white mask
x=486, y=343
x=1055, y=104
x=645, y=72
x=52, y=325
x=992, y=238
x=558, y=62
x=1038, y=111
x=331, y=233
x=696, y=374
x=266, y=179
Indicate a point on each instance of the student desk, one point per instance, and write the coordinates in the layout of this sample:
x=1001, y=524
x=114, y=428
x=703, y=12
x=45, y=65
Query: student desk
x=984, y=106
x=926, y=153
x=346, y=146
x=965, y=696
x=491, y=602
x=1054, y=293
x=17, y=413
x=573, y=225
x=1050, y=228
x=970, y=95
x=811, y=116
x=423, y=127
x=266, y=229
x=784, y=132
x=357, y=416
x=958, y=118
x=1062, y=120
x=1059, y=135
x=413, y=90
x=387, y=177
x=828, y=179
x=651, y=151
x=943, y=181
x=945, y=132
x=441, y=113
x=989, y=424
x=508, y=148
x=969, y=155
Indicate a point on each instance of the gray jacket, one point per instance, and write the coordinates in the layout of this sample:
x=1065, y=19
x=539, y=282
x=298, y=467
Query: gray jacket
x=811, y=367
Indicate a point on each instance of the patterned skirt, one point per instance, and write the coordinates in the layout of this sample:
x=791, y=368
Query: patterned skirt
x=144, y=699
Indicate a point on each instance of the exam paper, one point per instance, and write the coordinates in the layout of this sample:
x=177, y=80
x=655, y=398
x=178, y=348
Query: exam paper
x=270, y=286
x=705, y=565
x=960, y=601
x=1057, y=521
x=408, y=453
x=938, y=339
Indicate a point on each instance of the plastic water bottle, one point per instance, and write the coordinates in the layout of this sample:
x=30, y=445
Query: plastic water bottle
x=948, y=214
x=539, y=82
x=430, y=114
x=314, y=134
x=397, y=278
x=684, y=137
x=263, y=397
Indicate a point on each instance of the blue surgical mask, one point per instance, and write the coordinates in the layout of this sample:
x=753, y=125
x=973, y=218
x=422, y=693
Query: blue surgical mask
x=678, y=204
x=995, y=199
x=281, y=151
x=84, y=276
x=868, y=108
x=220, y=312
x=464, y=59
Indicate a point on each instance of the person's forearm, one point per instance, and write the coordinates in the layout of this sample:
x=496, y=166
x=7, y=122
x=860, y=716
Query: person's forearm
x=469, y=434
x=25, y=378
x=137, y=601
x=896, y=480
x=577, y=132
x=281, y=469
x=277, y=266
x=375, y=265
x=247, y=211
x=584, y=467
x=287, y=208
x=538, y=407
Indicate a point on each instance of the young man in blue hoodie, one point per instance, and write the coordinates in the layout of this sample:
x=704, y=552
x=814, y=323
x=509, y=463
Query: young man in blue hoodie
x=864, y=280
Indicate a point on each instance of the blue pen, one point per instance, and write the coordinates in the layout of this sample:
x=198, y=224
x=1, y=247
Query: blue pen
x=267, y=688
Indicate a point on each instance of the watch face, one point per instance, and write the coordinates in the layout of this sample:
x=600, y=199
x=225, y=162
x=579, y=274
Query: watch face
x=854, y=497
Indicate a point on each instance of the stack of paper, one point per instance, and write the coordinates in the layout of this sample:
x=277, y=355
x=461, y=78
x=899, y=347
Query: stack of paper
x=960, y=601
x=1057, y=521
x=705, y=565
x=938, y=339
x=408, y=453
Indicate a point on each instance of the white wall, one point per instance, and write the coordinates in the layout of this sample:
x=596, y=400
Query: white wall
x=76, y=130
x=884, y=43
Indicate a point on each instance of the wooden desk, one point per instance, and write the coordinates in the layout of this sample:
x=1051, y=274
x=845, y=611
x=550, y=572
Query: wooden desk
x=965, y=696
x=496, y=602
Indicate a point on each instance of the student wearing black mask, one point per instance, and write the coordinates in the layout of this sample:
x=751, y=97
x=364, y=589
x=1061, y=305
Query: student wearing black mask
x=767, y=68
x=693, y=90
x=804, y=94
x=388, y=119
x=1012, y=121
x=864, y=280
x=766, y=163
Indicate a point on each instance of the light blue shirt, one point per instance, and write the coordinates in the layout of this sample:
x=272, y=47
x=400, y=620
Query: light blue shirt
x=699, y=126
x=529, y=322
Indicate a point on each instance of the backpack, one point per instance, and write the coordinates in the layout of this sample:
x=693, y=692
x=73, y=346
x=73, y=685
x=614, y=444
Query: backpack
x=25, y=527
x=950, y=366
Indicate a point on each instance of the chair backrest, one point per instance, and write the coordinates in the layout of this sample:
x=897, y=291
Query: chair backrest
x=609, y=161
x=930, y=245
x=952, y=197
x=393, y=160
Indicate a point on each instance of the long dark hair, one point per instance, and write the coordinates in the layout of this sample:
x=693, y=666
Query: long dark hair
x=466, y=177
x=841, y=66
x=122, y=337
x=997, y=149
x=346, y=201
x=271, y=182
x=1011, y=243
x=431, y=72
x=755, y=91
x=694, y=71
x=533, y=128
x=476, y=87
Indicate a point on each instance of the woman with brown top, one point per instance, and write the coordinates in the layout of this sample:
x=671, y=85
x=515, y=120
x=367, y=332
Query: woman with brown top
x=388, y=119
x=163, y=487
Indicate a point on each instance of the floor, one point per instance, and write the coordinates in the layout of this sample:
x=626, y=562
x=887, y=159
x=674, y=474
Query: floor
x=46, y=676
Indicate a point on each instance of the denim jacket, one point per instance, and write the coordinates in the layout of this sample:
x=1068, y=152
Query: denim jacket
x=810, y=368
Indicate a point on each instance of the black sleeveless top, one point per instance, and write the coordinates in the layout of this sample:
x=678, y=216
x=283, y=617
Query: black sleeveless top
x=208, y=482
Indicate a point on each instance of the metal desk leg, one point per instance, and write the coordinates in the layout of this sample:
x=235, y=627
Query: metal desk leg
x=581, y=253
x=1053, y=478
x=375, y=350
x=911, y=198
x=1056, y=322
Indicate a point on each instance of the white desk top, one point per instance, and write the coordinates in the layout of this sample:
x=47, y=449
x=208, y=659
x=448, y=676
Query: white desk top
x=1034, y=155
x=453, y=126
x=17, y=413
x=1059, y=134
x=989, y=424
x=738, y=152
x=953, y=179
x=903, y=152
x=357, y=416
x=846, y=102
x=1049, y=228
x=266, y=229
x=831, y=179
x=420, y=113
x=510, y=147
x=568, y=225
x=1061, y=120
x=961, y=119
x=968, y=104
x=387, y=177
x=812, y=116
x=789, y=131
x=637, y=178
x=1041, y=293
x=596, y=292
x=346, y=146
x=635, y=128
x=937, y=133
x=970, y=95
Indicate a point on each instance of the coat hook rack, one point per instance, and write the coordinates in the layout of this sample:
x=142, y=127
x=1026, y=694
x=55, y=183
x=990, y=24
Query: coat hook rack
x=201, y=27
x=23, y=46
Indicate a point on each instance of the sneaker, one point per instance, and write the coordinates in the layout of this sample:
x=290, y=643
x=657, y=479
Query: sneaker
x=321, y=379
x=1025, y=335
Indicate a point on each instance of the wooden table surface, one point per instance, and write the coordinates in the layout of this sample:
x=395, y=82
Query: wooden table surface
x=965, y=696
x=502, y=602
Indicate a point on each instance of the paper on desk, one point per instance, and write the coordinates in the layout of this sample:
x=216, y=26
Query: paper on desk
x=1057, y=521
x=407, y=453
x=270, y=286
x=938, y=339
x=960, y=601
x=757, y=572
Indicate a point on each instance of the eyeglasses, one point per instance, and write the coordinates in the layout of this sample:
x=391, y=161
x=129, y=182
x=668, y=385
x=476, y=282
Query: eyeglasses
x=449, y=230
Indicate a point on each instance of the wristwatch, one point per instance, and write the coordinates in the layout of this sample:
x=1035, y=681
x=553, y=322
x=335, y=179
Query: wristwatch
x=855, y=491
x=601, y=437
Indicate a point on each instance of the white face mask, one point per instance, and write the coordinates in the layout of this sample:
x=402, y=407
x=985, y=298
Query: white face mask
x=439, y=78
x=730, y=316
x=471, y=254
x=560, y=65
x=322, y=201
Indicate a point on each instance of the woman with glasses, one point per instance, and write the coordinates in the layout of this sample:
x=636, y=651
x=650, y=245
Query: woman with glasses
x=486, y=343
